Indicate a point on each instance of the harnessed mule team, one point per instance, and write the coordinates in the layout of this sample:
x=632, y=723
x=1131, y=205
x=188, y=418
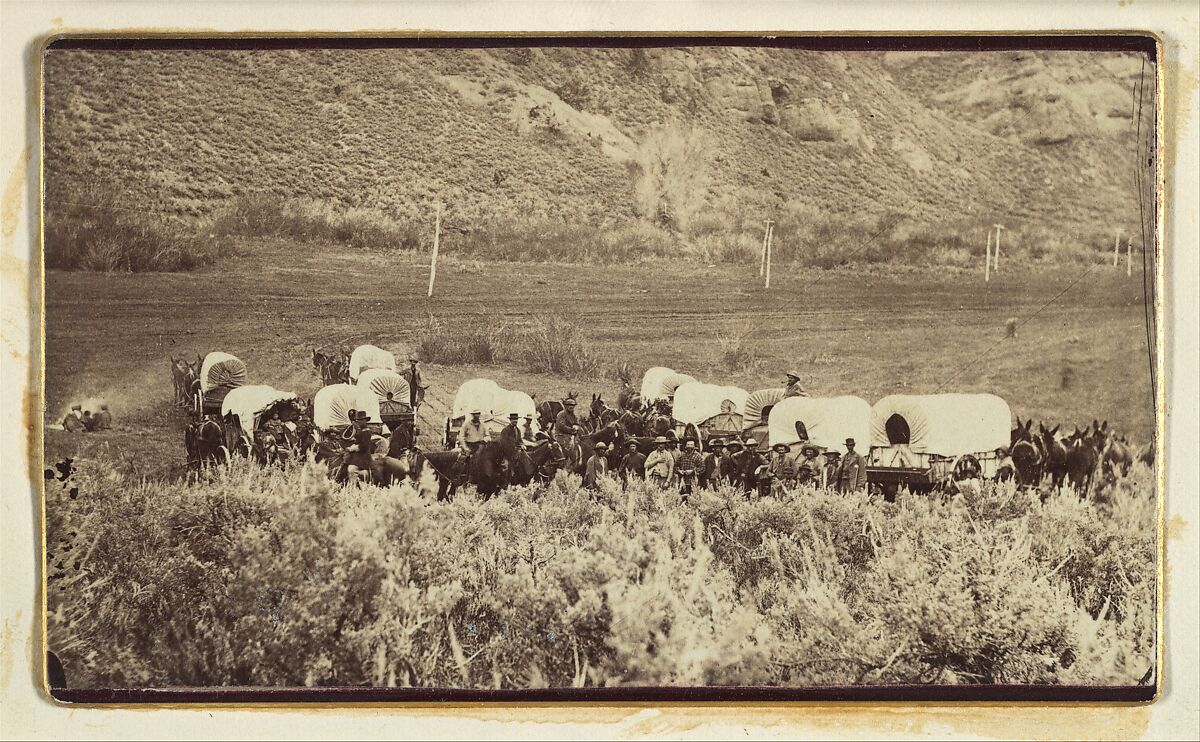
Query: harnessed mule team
x=361, y=424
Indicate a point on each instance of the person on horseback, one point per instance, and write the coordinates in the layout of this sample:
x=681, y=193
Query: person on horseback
x=527, y=434
x=792, y=387
x=472, y=434
x=566, y=428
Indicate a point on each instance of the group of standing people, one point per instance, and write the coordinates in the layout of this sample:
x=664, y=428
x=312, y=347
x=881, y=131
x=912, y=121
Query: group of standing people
x=675, y=464
x=81, y=420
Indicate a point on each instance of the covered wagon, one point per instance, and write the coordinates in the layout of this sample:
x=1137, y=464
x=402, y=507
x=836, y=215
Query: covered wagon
x=333, y=405
x=246, y=409
x=495, y=404
x=712, y=410
x=367, y=357
x=757, y=411
x=659, y=383
x=395, y=397
x=219, y=373
x=825, y=422
x=927, y=440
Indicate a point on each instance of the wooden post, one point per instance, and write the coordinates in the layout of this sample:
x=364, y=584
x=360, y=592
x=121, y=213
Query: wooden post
x=996, y=254
x=987, y=259
x=1129, y=258
x=1117, y=248
x=770, y=240
x=762, y=255
x=437, y=238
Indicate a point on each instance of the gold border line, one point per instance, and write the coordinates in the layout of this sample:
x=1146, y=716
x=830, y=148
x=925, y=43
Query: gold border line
x=136, y=34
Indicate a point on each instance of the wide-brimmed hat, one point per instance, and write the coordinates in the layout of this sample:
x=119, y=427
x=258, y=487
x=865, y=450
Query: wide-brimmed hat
x=809, y=447
x=660, y=439
x=734, y=443
x=779, y=446
x=476, y=412
x=514, y=416
x=570, y=403
x=793, y=373
x=689, y=443
x=849, y=441
x=833, y=454
x=76, y=407
x=600, y=446
x=716, y=443
x=751, y=442
x=631, y=443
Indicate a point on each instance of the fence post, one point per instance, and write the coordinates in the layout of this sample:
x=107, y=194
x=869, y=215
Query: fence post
x=987, y=259
x=770, y=240
x=996, y=254
x=1129, y=258
x=437, y=238
x=762, y=254
x=1117, y=248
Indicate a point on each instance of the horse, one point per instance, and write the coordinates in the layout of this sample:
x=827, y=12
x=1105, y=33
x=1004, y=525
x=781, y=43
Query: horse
x=1116, y=454
x=204, y=442
x=601, y=412
x=1054, y=455
x=633, y=423
x=540, y=462
x=1083, y=456
x=183, y=377
x=1025, y=454
x=611, y=434
x=334, y=365
x=489, y=468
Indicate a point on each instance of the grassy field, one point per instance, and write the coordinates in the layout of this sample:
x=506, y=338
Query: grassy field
x=856, y=331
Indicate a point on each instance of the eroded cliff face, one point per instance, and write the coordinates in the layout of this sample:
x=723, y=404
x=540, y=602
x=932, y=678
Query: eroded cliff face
x=557, y=132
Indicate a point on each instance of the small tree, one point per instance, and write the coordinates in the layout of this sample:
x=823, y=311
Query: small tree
x=674, y=176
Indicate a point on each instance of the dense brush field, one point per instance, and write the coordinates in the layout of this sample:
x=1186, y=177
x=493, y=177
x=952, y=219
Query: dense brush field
x=277, y=578
x=592, y=154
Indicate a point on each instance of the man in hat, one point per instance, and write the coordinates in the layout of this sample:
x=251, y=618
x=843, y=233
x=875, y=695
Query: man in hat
x=472, y=434
x=781, y=471
x=566, y=427
x=513, y=428
x=829, y=472
x=597, y=466
x=73, y=422
x=660, y=464
x=103, y=418
x=730, y=463
x=527, y=433
x=633, y=464
x=808, y=470
x=750, y=465
x=710, y=473
x=852, y=470
x=792, y=387
x=687, y=467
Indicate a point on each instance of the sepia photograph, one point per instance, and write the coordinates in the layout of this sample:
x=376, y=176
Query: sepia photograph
x=601, y=368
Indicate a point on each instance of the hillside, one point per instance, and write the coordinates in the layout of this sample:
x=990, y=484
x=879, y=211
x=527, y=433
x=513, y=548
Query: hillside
x=567, y=136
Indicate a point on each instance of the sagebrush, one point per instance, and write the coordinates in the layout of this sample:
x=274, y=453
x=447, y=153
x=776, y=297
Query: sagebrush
x=275, y=577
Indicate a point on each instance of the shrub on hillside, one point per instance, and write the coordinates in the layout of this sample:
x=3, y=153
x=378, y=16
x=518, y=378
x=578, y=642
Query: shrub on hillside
x=674, y=175
x=265, y=215
x=90, y=229
x=478, y=341
x=556, y=345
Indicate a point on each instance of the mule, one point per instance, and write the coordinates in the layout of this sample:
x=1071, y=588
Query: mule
x=1026, y=454
x=489, y=468
x=204, y=442
x=334, y=365
x=539, y=463
x=1083, y=457
x=1054, y=455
